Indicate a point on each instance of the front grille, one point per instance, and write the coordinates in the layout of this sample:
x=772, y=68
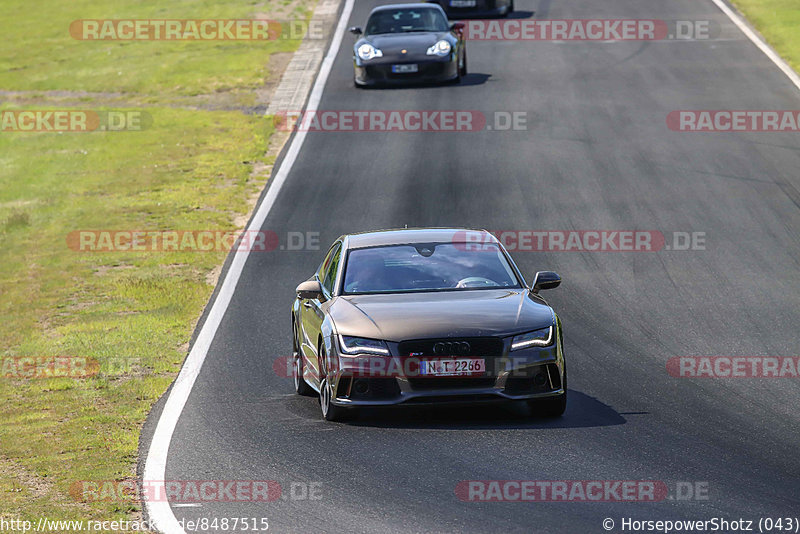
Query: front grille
x=426, y=70
x=375, y=71
x=384, y=388
x=451, y=382
x=487, y=348
x=480, y=347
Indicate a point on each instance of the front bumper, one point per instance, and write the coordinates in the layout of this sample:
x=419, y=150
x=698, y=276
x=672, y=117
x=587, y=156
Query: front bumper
x=526, y=374
x=430, y=70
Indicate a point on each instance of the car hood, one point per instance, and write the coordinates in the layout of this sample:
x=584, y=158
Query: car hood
x=414, y=42
x=399, y=317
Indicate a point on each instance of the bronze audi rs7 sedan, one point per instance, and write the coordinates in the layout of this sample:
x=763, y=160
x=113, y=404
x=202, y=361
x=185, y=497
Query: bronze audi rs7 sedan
x=426, y=316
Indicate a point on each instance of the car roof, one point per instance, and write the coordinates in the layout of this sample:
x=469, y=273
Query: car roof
x=402, y=236
x=415, y=5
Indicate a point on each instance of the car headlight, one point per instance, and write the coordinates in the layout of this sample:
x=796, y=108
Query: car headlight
x=442, y=48
x=367, y=51
x=538, y=338
x=360, y=345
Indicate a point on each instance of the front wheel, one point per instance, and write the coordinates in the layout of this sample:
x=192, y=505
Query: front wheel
x=331, y=412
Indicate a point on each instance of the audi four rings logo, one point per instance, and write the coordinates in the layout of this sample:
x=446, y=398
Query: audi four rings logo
x=451, y=347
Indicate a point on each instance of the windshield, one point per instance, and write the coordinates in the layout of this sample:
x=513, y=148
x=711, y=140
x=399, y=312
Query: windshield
x=427, y=267
x=406, y=20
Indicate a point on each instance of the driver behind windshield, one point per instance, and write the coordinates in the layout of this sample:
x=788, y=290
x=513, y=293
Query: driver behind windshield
x=406, y=20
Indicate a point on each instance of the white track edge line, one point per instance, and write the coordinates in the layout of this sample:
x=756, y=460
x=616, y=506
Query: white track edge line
x=159, y=511
x=759, y=42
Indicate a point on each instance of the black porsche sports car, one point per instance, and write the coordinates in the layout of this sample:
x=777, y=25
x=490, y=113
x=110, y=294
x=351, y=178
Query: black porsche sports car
x=476, y=8
x=426, y=316
x=408, y=42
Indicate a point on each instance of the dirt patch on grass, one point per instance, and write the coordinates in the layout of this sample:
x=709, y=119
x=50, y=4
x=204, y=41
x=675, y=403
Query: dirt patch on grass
x=276, y=67
x=212, y=277
x=21, y=479
x=17, y=479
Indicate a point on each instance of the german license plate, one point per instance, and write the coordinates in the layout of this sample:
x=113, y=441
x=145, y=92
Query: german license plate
x=403, y=69
x=455, y=367
x=462, y=3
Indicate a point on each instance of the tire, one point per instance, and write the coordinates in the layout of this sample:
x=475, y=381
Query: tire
x=550, y=406
x=463, y=70
x=331, y=412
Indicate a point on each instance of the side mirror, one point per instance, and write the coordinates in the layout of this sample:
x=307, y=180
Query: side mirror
x=545, y=280
x=457, y=26
x=355, y=30
x=310, y=289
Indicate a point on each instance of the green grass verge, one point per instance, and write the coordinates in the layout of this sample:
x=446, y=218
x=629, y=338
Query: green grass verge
x=779, y=23
x=190, y=169
x=37, y=52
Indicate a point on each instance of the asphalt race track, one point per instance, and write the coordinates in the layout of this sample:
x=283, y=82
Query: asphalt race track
x=596, y=155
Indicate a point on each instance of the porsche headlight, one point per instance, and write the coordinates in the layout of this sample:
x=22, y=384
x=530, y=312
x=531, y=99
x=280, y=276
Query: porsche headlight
x=366, y=51
x=360, y=345
x=442, y=48
x=538, y=338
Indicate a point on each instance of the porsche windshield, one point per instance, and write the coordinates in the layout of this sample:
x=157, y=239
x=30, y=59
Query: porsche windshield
x=427, y=267
x=406, y=20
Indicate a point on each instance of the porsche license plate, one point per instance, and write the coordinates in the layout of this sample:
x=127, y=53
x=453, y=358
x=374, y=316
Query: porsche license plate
x=456, y=367
x=462, y=3
x=403, y=69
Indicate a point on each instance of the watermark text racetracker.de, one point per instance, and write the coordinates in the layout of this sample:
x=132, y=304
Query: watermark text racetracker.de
x=191, y=240
x=257, y=29
x=74, y=120
x=580, y=491
x=602, y=30
x=401, y=120
x=734, y=366
x=45, y=367
x=721, y=120
x=194, y=491
x=599, y=240
x=412, y=366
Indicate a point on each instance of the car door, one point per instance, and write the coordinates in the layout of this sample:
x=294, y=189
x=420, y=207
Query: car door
x=312, y=311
